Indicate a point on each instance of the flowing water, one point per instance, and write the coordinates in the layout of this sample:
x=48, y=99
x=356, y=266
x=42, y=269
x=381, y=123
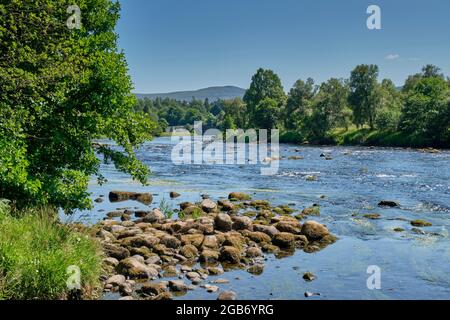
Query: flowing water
x=413, y=265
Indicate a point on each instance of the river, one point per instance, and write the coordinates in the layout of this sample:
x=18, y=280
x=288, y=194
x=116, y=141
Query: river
x=413, y=265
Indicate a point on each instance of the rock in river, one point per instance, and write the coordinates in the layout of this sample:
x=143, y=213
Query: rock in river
x=118, y=196
x=135, y=269
x=388, y=203
x=223, y=222
x=227, y=295
x=314, y=230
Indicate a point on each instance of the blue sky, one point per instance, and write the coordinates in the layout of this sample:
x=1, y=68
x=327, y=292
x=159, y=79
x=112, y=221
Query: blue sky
x=174, y=45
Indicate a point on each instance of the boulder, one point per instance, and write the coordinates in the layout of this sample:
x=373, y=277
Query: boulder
x=154, y=288
x=226, y=205
x=142, y=240
x=223, y=222
x=114, y=251
x=135, y=269
x=290, y=227
x=230, y=255
x=258, y=237
x=314, y=230
x=170, y=242
x=116, y=280
x=388, y=203
x=174, y=194
x=189, y=251
x=177, y=285
x=194, y=239
x=284, y=240
x=209, y=256
x=271, y=231
x=210, y=242
x=208, y=205
x=154, y=216
x=227, y=295
x=239, y=196
x=113, y=262
x=253, y=252
x=421, y=223
x=118, y=196
x=242, y=223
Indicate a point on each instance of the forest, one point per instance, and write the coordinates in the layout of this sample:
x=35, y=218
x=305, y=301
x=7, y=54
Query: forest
x=358, y=110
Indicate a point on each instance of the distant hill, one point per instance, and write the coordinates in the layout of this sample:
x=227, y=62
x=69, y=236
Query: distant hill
x=212, y=93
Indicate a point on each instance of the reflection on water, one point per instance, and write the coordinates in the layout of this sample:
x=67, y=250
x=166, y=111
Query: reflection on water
x=350, y=185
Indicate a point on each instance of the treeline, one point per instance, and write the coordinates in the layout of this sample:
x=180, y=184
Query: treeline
x=360, y=109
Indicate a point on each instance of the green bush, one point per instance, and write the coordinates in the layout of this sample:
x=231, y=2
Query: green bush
x=35, y=252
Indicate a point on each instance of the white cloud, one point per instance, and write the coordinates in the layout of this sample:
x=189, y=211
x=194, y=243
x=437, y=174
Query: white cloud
x=392, y=56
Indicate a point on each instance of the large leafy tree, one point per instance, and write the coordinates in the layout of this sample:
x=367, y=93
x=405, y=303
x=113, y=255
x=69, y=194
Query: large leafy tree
x=299, y=101
x=60, y=89
x=265, y=85
x=426, y=113
x=364, y=95
x=330, y=108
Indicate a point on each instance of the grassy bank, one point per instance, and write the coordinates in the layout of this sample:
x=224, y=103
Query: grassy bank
x=36, y=251
x=364, y=137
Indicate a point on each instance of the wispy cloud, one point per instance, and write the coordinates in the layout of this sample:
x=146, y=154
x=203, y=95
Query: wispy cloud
x=392, y=56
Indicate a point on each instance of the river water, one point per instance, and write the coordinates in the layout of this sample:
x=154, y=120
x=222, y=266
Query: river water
x=412, y=265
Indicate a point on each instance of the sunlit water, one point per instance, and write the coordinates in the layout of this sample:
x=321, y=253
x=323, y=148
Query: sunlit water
x=413, y=266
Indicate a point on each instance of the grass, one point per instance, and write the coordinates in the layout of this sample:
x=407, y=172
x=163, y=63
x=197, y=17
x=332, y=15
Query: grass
x=36, y=251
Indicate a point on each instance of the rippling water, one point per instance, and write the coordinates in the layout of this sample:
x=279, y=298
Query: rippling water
x=413, y=266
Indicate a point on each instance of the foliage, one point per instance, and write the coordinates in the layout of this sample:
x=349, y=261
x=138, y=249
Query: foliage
x=60, y=89
x=35, y=252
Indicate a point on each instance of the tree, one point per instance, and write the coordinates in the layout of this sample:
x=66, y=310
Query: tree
x=388, y=116
x=364, y=94
x=299, y=102
x=60, y=89
x=265, y=85
x=426, y=112
x=330, y=108
x=267, y=114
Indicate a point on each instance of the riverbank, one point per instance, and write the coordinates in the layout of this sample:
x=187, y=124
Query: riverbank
x=364, y=137
x=43, y=259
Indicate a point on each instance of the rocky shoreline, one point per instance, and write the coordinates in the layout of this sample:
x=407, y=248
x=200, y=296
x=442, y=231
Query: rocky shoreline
x=145, y=247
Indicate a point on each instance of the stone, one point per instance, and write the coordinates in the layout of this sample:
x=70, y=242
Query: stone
x=209, y=256
x=285, y=226
x=135, y=269
x=170, y=242
x=174, y=194
x=226, y=205
x=154, y=216
x=234, y=239
x=230, y=255
x=258, y=237
x=242, y=223
x=210, y=242
x=284, y=240
x=114, y=251
x=211, y=289
x=311, y=211
x=189, y=251
x=118, y=196
x=314, y=230
x=388, y=203
x=227, y=295
x=194, y=239
x=309, y=276
x=421, y=223
x=154, y=288
x=177, y=285
x=372, y=216
x=239, y=196
x=142, y=240
x=208, y=205
x=116, y=280
x=126, y=289
x=256, y=269
x=113, y=262
x=253, y=252
x=271, y=231
x=223, y=222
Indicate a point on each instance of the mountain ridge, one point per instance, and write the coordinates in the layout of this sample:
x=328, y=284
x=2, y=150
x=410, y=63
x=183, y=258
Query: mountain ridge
x=212, y=93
